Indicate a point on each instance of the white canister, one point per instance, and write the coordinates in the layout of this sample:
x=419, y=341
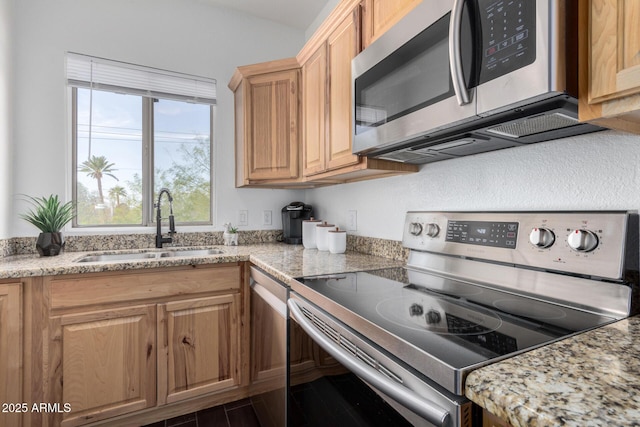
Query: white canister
x=337, y=241
x=309, y=233
x=322, y=235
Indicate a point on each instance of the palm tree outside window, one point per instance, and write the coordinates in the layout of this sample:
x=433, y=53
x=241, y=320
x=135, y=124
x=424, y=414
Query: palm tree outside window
x=97, y=167
x=137, y=129
x=127, y=147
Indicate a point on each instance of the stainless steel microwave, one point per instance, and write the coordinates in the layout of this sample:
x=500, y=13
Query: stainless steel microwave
x=460, y=77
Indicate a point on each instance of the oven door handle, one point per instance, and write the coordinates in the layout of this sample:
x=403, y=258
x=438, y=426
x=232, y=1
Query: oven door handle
x=406, y=397
x=455, y=53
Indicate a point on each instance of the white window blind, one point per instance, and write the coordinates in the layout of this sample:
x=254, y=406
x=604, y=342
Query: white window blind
x=104, y=74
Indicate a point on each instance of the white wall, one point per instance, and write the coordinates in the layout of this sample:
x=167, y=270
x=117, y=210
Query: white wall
x=326, y=10
x=6, y=154
x=596, y=171
x=188, y=36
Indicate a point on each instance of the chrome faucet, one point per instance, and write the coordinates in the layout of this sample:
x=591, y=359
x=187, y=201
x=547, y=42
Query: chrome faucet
x=172, y=226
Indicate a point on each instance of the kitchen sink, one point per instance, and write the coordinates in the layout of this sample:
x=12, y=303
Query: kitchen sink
x=190, y=253
x=119, y=257
x=139, y=256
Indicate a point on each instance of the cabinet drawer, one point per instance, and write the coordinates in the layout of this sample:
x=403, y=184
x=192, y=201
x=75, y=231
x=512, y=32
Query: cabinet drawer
x=97, y=289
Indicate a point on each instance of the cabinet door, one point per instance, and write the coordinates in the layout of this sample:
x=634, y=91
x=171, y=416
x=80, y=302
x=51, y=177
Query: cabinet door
x=615, y=49
x=10, y=352
x=199, y=352
x=380, y=15
x=268, y=343
x=314, y=82
x=272, y=126
x=103, y=364
x=342, y=46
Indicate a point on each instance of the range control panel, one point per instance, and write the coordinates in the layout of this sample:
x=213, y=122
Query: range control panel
x=485, y=233
x=588, y=243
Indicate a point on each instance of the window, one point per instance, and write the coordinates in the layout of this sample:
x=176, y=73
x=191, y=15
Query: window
x=129, y=143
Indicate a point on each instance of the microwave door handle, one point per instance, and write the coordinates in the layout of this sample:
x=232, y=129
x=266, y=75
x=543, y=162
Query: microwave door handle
x=455, y=53
x=406, y=397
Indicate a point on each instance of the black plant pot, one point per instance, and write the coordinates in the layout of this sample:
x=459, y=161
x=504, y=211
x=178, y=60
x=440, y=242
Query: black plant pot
x=50, y=244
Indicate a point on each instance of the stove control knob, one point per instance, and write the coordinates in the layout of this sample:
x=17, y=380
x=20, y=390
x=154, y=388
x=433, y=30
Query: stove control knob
x=433, y=317
x=415, y=228
x=542, y=237
x=432, y=229
x=582, y=240
x=416, y=310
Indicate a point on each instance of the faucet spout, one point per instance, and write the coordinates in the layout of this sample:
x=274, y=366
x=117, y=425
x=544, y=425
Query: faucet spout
x=172, y=226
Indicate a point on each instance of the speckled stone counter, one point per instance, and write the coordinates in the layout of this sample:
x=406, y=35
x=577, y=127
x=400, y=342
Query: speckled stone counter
x=591, y=379
x=278, y=259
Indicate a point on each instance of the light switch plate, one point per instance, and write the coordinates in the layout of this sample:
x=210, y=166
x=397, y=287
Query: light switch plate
x=243, y=217
x=266, y=217
x=352, y=220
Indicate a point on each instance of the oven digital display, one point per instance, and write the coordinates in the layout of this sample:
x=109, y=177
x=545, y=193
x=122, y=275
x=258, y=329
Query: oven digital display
x=483, y=233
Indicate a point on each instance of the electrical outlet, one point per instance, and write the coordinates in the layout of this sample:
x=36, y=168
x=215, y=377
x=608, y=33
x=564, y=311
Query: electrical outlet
x=352, y=220
x=243, y=217
x=266, y=217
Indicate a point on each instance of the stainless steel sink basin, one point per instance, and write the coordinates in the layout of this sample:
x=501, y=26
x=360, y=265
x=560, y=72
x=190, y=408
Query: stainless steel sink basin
x=119, y=257
x=138, y=256
x=190, y=253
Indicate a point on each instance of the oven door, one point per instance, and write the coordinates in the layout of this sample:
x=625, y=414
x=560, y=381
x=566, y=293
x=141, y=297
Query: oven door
x=418, y=77
x=363, y=384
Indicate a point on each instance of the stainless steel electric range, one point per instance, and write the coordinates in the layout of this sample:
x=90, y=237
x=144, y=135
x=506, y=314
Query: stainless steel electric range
x=477, y=288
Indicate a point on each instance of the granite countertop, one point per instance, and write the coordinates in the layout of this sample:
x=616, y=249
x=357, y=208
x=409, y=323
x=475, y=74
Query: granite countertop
x=590, y=379
x=282, y=261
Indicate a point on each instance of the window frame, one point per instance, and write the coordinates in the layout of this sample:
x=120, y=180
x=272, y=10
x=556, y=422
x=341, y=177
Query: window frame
x=148, y=174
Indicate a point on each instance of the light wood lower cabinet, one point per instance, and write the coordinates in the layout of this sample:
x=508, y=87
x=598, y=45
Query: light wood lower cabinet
x=199, y=345
x=11, y=354
x=105, y=363
x=490, y=420
x=133, y=347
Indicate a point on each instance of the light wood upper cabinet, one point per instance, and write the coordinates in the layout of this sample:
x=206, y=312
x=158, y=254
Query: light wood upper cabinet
x=267, y=122
x=327, y=106
x=610, y=63
x=11, y=351
x=314, y=76
x=274, y=148
x=326, y=100
x=380, y=15
x=342, y=46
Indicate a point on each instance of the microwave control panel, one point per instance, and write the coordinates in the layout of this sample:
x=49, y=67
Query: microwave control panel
x=508, y=36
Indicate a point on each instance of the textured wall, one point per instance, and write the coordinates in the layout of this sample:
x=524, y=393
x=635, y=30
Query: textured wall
x=596, y=171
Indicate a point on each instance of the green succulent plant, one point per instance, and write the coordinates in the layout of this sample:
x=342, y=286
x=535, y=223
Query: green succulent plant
x=49, y=215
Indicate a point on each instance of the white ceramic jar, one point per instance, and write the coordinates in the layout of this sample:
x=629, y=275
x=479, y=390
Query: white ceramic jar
x=337, y=241
x=322, y=235
x=309, y=233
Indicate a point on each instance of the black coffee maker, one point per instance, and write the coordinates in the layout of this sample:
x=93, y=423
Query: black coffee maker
x=292, y=216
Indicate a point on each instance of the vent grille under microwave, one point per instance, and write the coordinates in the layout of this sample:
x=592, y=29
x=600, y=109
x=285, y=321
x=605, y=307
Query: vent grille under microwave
x=533, y=125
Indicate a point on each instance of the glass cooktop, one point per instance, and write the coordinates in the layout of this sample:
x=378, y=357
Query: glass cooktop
x=458, y=323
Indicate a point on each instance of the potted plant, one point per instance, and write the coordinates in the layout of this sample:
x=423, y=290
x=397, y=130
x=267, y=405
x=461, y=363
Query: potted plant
x=230, y=235
x=49, y=215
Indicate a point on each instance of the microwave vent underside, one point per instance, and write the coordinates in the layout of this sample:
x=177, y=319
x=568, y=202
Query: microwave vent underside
x=534, y=125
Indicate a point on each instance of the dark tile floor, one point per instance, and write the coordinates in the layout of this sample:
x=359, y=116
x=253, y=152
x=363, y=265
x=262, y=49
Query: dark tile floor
x=235, y=414
x=340, y=401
